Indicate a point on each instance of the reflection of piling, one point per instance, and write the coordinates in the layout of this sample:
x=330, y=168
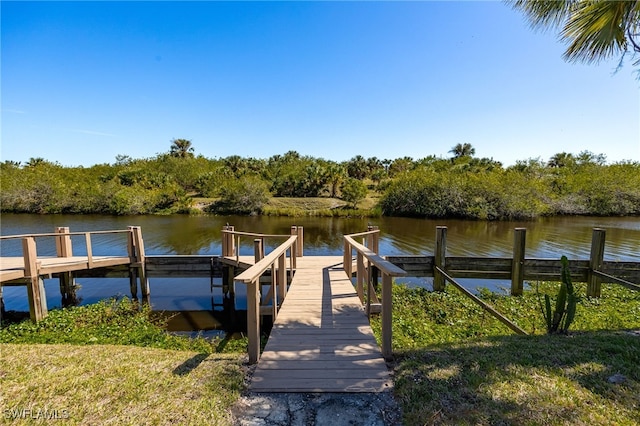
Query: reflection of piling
x=228, y=283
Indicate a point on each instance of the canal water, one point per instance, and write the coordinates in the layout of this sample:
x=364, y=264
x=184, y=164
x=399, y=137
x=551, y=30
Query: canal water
x=203, y=306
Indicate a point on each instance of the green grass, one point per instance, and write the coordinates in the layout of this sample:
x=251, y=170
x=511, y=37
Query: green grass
x=113, y=362
x=455, y=364
x=112, y=384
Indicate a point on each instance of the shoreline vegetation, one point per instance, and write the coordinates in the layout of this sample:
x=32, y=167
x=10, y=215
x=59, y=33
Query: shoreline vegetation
x=463, y=186
x=454, y=364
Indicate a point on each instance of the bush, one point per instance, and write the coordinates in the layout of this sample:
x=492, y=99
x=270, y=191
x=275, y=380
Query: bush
x=353, y=191
x=245, y=196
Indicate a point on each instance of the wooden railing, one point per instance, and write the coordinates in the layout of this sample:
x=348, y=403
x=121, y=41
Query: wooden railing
x=593, y=271
x=33, y=268
x=231, y=242
x=368, y=262
x=276, y=262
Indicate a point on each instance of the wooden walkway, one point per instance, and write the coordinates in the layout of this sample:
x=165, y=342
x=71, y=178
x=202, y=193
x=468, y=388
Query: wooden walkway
x=12, y=268
x=321, y=340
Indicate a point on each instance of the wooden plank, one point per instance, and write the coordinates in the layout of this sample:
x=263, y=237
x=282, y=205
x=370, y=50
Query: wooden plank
x=321, y=340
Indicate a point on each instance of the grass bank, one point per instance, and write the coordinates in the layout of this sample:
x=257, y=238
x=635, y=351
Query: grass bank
x=455, y=364
x=114, y=384
x=307, y=206
x=112, y=363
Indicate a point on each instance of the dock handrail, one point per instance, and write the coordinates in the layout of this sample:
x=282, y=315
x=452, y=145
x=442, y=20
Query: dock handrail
x=231, y=242
x=276, y=260
x=32, y=267
x=364, y=272
x=482, y=304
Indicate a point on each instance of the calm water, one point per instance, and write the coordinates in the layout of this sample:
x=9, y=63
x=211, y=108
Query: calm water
x=546, y=238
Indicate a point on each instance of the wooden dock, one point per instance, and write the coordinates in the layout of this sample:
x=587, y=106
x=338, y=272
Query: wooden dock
x=13, y=268
x=321, y=340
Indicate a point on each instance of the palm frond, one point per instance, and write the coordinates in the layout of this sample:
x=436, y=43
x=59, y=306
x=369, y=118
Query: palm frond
x=545, y=14
x=596, y=30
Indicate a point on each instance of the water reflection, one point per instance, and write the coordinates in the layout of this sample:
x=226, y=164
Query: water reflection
x=545, y=238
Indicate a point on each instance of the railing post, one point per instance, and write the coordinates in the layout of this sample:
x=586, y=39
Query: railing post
x=374, y=239
x=375, y=247
x=439, y=258
x=67, y=282
x=595, y=262
x=63, y=242
x=137, y=259
x=258, y=249
x=300, y=241
x=347, y=259
x=387, y=320
x=35, y=288
x=253, y=320
x=282, y=277
x=228, y=249
x=517, y=264
x=294, y=247
x=274, y=292
x=360, y=273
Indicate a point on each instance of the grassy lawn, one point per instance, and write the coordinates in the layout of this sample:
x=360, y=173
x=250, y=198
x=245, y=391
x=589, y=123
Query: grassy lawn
x=112, y=363
x=309, y=206
x=119, y=385
x=457, y=365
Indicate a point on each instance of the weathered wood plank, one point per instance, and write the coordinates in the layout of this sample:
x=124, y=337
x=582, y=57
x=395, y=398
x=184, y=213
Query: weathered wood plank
x=321, y=340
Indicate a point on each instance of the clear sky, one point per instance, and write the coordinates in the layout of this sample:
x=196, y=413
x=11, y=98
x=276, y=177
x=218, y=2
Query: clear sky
x=85, y=81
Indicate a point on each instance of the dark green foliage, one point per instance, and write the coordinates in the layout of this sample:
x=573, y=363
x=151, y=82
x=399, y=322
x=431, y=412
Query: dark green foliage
x=559, y=320
x=464, y=186
x=245, y=196
x=353, y=191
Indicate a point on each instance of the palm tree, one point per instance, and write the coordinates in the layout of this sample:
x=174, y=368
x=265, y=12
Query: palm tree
x=561, y=159
x=594, y=30
x=462, y=150
x=181, y=148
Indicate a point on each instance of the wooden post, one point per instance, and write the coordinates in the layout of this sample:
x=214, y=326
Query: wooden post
x=375, y=239
x=360, y=272
x=253, y=321
x=140, y=260
x=347, y=260
x=258, y=249
x=375, y=247
x=596, y=259
x=35, y=288
x=63, y=242
x=300, y=241
x=294, y=247
x=282, y=278
x=225, y=249
x=517, y=264
x=387, y=320
x=231, y=247
x=228, y=242
x=439, y=258
x=67, y=281
x=274, y=292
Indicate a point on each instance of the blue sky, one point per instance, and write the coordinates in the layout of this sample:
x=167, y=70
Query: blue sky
x=85, y=81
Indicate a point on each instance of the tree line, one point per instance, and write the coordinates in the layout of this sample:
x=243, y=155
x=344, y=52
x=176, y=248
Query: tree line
x=461, y=186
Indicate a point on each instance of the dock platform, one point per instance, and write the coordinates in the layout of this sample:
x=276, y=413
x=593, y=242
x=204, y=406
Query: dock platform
x=321, y=340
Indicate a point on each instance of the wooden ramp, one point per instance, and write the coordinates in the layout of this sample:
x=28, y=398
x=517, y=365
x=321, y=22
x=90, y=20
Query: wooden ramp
x=321, y=340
